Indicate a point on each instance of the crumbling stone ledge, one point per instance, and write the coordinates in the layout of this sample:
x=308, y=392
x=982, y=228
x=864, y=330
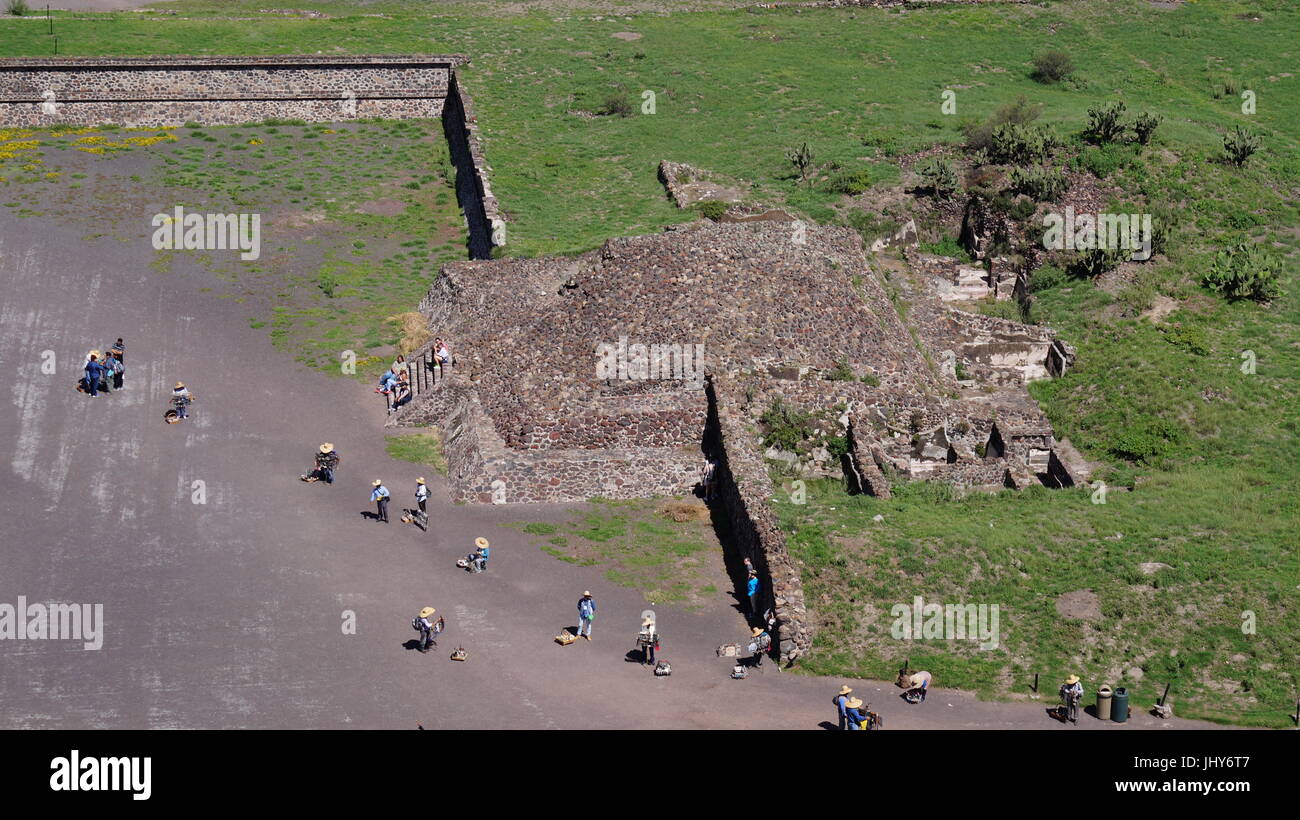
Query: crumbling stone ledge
x=743, y=490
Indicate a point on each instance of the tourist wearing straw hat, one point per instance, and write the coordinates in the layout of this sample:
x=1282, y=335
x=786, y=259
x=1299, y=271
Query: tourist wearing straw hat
x=759, y=645
x=380, y=496
x=853, y=713
x=327, y=459
x=586, y=614
x=481, y=549
x=1071, y=697
x=648, y=638
x=426, y=628
x=181, y=398
x=841, y=700
x=422, y=500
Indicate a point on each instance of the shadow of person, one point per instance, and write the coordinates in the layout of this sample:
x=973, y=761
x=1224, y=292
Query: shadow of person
x=370, y=514
x=413, y=643
x=826, y=724
x=1056, y=713
x=634, y=656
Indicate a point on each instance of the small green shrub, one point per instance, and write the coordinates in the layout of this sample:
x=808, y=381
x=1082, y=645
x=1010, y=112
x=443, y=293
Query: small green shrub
x=1013, y=144
x=947, y=246
x=1093, y=262
x=784, y=427
x=1144, y=127
x=18, y=8
x=1188, y=337
x=940, y=178
x=837, y=446
x=1104, y=160
x=1245, y=271
x=327, y=283
x=1046, y=277
x=872, y=226
x=615, y=105
x=710, y=209
x=1039, y=183
x=1145, y=439
x=1105, y=123
x=802, y=159
x=1240, y=144
x=841, y=373
x=854, y=182
x=1052, y=67
x=1018, y=112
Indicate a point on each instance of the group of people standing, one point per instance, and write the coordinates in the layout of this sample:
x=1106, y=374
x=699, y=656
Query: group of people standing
x=381, y=495
x=104, y=371
x=395, y=384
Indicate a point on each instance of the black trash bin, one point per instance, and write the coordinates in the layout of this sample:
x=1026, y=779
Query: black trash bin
x=1119, y=705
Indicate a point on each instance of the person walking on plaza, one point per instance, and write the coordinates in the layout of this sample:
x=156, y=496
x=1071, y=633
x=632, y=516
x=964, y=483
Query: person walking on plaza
x=751, y=591
x=427, y=628
x=841, y=706
x=422, y=500
x=181, y=398
x=94, y=372
x=586, y=614
x=380, y=496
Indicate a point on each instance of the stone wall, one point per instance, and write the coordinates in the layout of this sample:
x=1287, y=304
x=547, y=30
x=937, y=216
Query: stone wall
x=166, y=92
x=743, y=490
x=482, y=214
x=483, y=469
x=170, y=91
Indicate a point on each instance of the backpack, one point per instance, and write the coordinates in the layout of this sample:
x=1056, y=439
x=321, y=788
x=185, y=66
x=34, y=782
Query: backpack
x=417, y=625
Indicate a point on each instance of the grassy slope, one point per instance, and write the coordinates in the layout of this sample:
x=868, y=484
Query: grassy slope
x=736, y=88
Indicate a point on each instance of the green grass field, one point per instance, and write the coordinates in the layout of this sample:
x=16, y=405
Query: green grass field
x=643, y=546
x=1208, y=449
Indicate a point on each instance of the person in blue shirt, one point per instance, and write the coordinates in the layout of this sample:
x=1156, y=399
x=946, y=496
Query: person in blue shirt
x=480, y=554
x=841, y=701
x=94, y=373
x=751, y=589
x=380, y=496
x=853, y=713
x=586, y=614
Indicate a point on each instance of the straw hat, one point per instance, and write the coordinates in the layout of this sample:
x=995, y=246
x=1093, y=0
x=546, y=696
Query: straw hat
x=327, y=447
x=854, y=703
x=420, y=480
x=180, y=386
x=758, y=631
x=586, y=593
x=845, y=690
x=427, y=611
x=481, y=542
x=376, y=483
x=1073, y=679
x=647, y=621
